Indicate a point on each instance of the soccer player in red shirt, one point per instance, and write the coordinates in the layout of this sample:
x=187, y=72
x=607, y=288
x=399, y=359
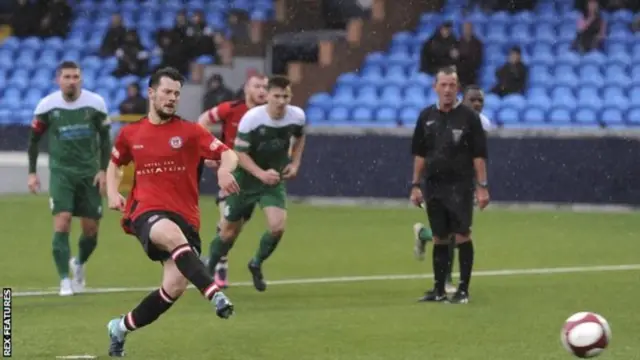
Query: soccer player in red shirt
x=228, y=114
x=162, y=207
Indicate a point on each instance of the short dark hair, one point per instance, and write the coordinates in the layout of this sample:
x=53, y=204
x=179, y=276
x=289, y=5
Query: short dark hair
x=471, y=88
x=280, y=82
x=168, y=72
x=67, y=65
x=516, y=49
x=446, y=70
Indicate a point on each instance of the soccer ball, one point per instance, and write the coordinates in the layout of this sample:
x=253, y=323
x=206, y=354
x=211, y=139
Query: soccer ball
x=585, y=334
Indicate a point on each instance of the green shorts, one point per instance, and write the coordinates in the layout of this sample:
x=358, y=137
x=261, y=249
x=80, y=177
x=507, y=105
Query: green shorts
x=240, y=206
x=77, y=195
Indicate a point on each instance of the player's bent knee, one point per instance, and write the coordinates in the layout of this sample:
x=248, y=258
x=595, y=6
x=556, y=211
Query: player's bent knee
x=89, y=227
x=62, y=222
x=167, y=235
x=229, y=230
x=276, y=220
x=173, y=282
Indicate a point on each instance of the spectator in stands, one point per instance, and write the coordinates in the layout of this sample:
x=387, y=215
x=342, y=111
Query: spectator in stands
x=181, y=26
x=217, y=92
x=237, y=22
x=201, y=37
x=591, y=28
x=24, y=19
x=133, y=59
x=173, y=52
x=440, y=50
x=134, y=103
x=512, y=76
x=56, y=19
x=470, y=51
x=114, y=38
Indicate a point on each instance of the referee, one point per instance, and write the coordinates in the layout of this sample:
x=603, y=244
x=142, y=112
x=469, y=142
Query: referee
x=449, y=147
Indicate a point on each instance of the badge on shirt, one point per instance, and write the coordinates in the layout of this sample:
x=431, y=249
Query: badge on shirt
x=457, y=134
x=176, y=142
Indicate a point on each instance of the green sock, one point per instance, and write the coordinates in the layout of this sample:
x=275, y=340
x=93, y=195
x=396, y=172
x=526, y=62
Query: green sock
x=218, y=249
x=86, y=245
x=425, y=234
x=61, y=253
x=268, y=244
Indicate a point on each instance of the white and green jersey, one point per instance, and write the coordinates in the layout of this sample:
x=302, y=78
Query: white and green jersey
x=78, y=132
x=266, y=140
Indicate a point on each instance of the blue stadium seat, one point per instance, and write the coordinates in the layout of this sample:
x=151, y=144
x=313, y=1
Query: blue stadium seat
x=366, y=99
x=320, y=100
x=633, y=116
x=559, y=115
x=362, y=114
x=612, y=116
x=534, y=115
x=517, y=102
x=338, y=114
x=594, y=58
x=585, y=116
x=409, y=115
x=350, y=79
x=386, y=114
x=508, y=115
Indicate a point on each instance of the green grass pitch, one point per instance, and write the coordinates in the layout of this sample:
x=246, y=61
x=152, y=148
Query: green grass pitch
x=515, y=316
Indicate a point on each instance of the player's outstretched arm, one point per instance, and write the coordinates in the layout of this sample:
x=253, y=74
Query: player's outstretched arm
x=38, y=128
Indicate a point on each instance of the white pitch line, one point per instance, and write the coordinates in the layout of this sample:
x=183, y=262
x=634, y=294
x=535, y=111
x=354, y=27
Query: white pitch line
x=346, y=279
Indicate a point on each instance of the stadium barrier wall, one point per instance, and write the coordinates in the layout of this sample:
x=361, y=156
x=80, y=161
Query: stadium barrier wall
x=599, y=167
x=549, y=166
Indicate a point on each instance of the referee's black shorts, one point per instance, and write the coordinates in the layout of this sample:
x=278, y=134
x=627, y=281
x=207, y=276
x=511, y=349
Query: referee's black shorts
x=449, y=208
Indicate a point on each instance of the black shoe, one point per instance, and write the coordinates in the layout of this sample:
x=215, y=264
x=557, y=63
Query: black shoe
x=256, y=275
x=460, y=297
x=433, y=296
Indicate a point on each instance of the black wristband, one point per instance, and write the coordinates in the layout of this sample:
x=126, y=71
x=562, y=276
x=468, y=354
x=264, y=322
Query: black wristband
x=416, y=185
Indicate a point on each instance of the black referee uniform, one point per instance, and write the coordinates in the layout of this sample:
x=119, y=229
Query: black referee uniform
x=449, y=142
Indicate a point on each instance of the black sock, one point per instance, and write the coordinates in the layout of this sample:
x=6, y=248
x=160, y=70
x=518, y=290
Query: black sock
x=465, y=255
x=149, y=310
x=194, y=270
x=440, y=265
x=452, y=256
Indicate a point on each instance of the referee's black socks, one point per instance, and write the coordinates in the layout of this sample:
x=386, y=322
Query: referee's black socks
x=465, y=255
x=440, y=266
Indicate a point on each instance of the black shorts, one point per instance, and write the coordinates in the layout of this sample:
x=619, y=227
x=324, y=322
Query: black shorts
x=450, y=210
x=142, y=227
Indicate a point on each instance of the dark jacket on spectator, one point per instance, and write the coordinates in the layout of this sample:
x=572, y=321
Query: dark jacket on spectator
x=470, y=56
x=512, y=79
x=437, y=51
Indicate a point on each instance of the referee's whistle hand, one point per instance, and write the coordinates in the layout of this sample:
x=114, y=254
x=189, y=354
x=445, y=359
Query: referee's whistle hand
x=482, y=195
x=416, y=196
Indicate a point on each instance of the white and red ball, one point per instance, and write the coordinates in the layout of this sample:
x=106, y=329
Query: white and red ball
x=585, y=334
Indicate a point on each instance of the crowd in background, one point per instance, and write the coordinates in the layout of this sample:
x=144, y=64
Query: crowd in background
x=466, y=53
